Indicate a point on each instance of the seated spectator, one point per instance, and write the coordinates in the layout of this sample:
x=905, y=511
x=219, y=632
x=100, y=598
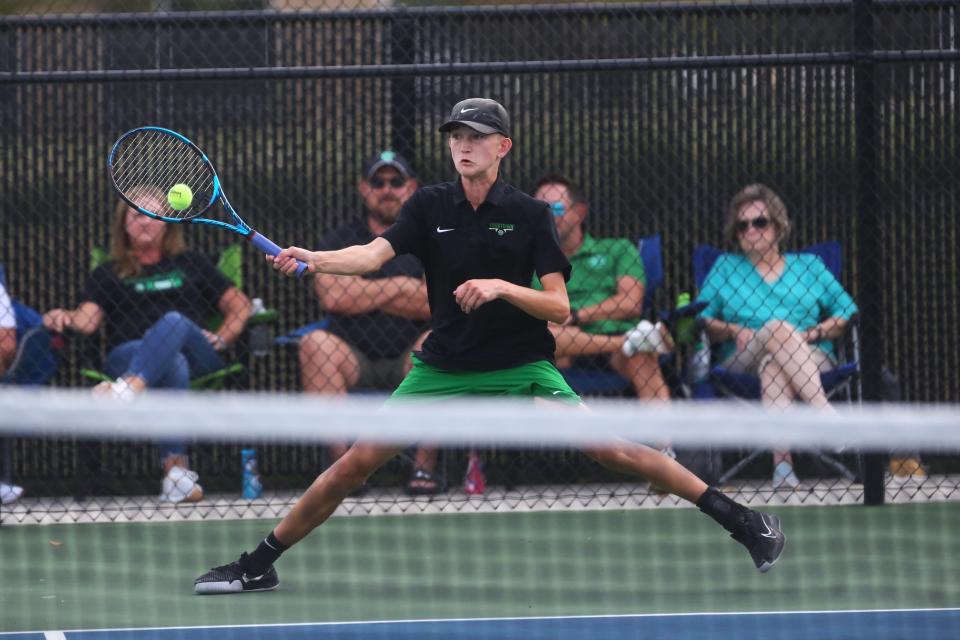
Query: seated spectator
x=9, y=493
x=154, y=295
x=375, y=320
x=774, y=314
x=606, y=290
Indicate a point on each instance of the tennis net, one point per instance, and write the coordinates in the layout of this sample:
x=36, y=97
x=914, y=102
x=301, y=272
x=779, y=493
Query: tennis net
x=509, y=531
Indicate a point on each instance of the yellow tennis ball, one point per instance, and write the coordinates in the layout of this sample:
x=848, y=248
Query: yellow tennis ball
x=180, y=196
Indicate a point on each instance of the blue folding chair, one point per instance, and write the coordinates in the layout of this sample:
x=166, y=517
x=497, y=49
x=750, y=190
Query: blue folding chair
x=38, y=351
x=35, y=362
x=842, y=381
x=592, y=381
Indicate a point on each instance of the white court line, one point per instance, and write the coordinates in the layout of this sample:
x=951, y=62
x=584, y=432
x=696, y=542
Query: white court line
x=59, y=635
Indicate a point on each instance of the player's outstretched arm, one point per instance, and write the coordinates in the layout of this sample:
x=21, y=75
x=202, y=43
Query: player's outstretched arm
x=352, y=261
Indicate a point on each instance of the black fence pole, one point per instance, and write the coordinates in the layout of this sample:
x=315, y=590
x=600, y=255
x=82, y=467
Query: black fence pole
x=403, y=99
x=869, y=233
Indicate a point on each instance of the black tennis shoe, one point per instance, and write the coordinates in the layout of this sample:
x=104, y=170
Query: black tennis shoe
x=760, y=533
x=230, y=578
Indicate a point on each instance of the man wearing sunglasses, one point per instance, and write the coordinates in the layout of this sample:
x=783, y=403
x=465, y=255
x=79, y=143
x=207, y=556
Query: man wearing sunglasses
x=374, y=320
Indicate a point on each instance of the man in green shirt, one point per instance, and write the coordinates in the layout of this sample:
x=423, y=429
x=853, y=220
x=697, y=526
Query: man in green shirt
x=606, y=296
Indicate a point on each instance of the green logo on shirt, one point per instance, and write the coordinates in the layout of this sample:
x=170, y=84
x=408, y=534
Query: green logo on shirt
x=156, y=283
x=598, y=261
x=500, y=227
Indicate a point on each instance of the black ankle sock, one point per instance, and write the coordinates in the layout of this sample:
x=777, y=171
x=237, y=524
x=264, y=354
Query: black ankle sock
x=721, y=508
x=263, y=556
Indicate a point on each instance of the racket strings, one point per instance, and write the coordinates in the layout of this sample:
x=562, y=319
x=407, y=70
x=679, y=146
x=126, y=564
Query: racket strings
x=149, y=162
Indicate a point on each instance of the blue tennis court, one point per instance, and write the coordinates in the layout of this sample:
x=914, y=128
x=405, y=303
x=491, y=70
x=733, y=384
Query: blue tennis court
x=823, y=625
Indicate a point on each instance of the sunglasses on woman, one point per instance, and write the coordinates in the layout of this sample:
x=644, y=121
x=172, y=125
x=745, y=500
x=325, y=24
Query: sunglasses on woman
x=758, y=223
x=395, y=182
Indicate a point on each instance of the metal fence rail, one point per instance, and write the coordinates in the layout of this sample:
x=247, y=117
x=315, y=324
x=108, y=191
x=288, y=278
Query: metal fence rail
x=661, y=111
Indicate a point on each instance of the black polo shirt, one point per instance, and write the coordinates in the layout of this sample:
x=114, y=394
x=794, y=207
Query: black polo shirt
x=187, y=282
x=376, y=334
x=509, y=237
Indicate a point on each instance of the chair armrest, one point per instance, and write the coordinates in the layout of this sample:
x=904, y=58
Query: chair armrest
x=691, y=310
x=215, y=380
x=96, y=376
x=293, y=337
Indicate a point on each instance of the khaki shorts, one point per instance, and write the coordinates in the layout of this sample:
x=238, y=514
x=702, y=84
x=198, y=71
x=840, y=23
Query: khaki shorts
x=754, y=358
x=382, y=373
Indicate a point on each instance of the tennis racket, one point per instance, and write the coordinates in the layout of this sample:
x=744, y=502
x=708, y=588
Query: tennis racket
x=146, y=162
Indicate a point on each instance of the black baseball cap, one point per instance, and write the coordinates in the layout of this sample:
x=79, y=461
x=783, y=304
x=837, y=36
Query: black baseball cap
x=387, y=159
x=480, y=114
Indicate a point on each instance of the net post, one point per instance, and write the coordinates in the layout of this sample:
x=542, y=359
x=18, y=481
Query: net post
x=870, y=246
x=874, y=464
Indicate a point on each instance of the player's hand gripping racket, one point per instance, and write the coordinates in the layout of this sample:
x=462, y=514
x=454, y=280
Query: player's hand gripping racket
x=149, y=167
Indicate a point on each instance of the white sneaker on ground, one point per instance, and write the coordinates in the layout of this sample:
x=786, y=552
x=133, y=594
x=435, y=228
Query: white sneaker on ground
x=180, y=485
x=784, y=476
x=118, y=390
x=9, y=493
x=646, y=336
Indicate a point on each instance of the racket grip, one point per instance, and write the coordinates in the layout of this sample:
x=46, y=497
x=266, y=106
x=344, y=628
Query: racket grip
x=269, y=247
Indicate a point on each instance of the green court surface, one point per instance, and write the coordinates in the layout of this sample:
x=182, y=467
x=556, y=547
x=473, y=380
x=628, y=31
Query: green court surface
x=476, y=565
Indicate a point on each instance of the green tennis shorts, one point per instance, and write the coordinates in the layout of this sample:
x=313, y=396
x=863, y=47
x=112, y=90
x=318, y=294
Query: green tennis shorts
x=539, y=379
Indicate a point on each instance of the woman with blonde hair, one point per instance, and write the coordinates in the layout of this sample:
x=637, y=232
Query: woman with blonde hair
x=775, y=314
x=153, y=296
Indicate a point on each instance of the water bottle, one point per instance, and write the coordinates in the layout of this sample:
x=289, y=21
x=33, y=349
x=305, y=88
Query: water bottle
x=259, y=337
x=252, y=488
x=475, y=482
x=685, y=328
x=700, y=360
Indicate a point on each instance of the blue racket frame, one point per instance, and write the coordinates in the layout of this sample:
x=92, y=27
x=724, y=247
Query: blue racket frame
x=257, y=239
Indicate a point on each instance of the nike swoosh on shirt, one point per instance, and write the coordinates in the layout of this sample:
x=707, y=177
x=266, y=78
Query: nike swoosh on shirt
x=439, y=230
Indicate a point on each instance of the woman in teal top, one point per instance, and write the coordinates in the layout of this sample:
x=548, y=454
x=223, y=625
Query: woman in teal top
x=773, y=314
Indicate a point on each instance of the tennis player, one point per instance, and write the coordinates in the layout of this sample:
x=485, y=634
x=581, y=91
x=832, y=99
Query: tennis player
x=479, y=240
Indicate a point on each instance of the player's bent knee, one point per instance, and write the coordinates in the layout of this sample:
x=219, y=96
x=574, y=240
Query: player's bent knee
x=362, y=460
x=349, y=473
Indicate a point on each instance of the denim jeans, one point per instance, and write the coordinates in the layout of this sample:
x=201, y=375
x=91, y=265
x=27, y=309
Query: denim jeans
x=171, y=352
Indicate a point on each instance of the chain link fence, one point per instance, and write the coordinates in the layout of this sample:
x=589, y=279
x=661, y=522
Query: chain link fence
x=645, y=119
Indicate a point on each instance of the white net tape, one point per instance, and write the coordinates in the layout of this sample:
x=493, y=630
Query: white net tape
x=303, y=418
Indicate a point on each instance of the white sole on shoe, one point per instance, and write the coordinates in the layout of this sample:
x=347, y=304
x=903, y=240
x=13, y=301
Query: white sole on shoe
x=234, y=586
